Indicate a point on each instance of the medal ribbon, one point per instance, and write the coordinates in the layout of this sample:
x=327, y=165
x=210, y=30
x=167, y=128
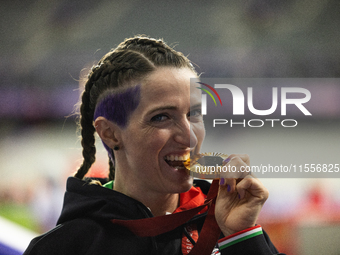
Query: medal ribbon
x=161, y=224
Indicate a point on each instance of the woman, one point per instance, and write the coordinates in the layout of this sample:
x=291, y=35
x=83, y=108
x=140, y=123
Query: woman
x=138, y=101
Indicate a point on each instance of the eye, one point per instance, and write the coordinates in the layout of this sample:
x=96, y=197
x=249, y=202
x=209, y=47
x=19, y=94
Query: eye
x=195, y=113
x=159, y=118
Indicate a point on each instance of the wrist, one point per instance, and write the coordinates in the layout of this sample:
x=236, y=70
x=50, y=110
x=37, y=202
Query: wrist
x=240, y=236
x=229, y=231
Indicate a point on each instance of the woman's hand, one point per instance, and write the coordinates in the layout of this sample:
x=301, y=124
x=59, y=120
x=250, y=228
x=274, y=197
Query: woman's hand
x=240, y=198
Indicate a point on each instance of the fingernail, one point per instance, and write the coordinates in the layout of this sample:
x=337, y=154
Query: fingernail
x=226, y=160
x=221, y=181
x=228, y=189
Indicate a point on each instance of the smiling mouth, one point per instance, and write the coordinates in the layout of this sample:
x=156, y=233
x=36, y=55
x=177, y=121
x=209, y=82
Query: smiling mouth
x=176, y=161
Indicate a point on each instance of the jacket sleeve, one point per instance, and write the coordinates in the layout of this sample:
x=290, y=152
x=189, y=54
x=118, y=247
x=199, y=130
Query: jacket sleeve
x=252, y=241
x=67, y=239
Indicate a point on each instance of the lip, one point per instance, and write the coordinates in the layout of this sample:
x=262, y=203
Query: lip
x=179, y=169
x=184, y=154
x=178, y=154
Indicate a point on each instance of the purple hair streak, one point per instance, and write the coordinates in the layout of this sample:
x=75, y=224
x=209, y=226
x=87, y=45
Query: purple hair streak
x=118, y=108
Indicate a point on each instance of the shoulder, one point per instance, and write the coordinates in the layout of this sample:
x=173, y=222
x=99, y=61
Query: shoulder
x=73, y=237
x=88, y=236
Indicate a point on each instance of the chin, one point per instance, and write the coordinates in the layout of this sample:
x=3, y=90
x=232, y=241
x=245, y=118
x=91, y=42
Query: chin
x=185, y=185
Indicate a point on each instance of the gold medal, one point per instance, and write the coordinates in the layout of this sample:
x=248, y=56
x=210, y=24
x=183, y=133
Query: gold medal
x=207, y=165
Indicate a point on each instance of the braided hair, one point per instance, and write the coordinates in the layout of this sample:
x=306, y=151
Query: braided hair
x=132, y=60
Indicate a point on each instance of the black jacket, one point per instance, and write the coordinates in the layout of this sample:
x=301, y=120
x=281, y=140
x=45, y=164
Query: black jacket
x=84, y=227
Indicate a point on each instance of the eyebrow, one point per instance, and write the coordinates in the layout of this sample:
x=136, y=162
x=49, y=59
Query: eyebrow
x=196, y=105
x=170, y=107
x=162, y=108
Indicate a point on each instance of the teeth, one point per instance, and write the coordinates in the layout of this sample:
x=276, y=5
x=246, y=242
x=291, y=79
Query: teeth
x=177, y=158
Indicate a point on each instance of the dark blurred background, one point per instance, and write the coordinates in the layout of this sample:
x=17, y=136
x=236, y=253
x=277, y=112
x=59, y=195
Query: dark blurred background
x=45, y=44
x=48, y=46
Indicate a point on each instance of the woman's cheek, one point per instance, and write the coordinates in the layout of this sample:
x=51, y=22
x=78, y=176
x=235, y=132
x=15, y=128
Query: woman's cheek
x=199, y=132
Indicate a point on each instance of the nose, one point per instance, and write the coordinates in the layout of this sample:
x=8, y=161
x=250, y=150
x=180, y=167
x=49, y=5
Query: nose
x=185, y=135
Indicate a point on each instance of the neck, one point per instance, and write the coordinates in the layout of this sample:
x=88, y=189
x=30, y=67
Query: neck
x=162, y=205
x=158, y=203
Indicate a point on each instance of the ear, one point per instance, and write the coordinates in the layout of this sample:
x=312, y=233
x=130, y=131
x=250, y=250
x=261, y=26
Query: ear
x=107, y=131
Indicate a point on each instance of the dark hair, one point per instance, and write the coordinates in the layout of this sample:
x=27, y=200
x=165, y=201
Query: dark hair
x=132, y=60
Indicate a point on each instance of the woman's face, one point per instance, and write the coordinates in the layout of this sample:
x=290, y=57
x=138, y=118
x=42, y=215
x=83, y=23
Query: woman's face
x=162, y=132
